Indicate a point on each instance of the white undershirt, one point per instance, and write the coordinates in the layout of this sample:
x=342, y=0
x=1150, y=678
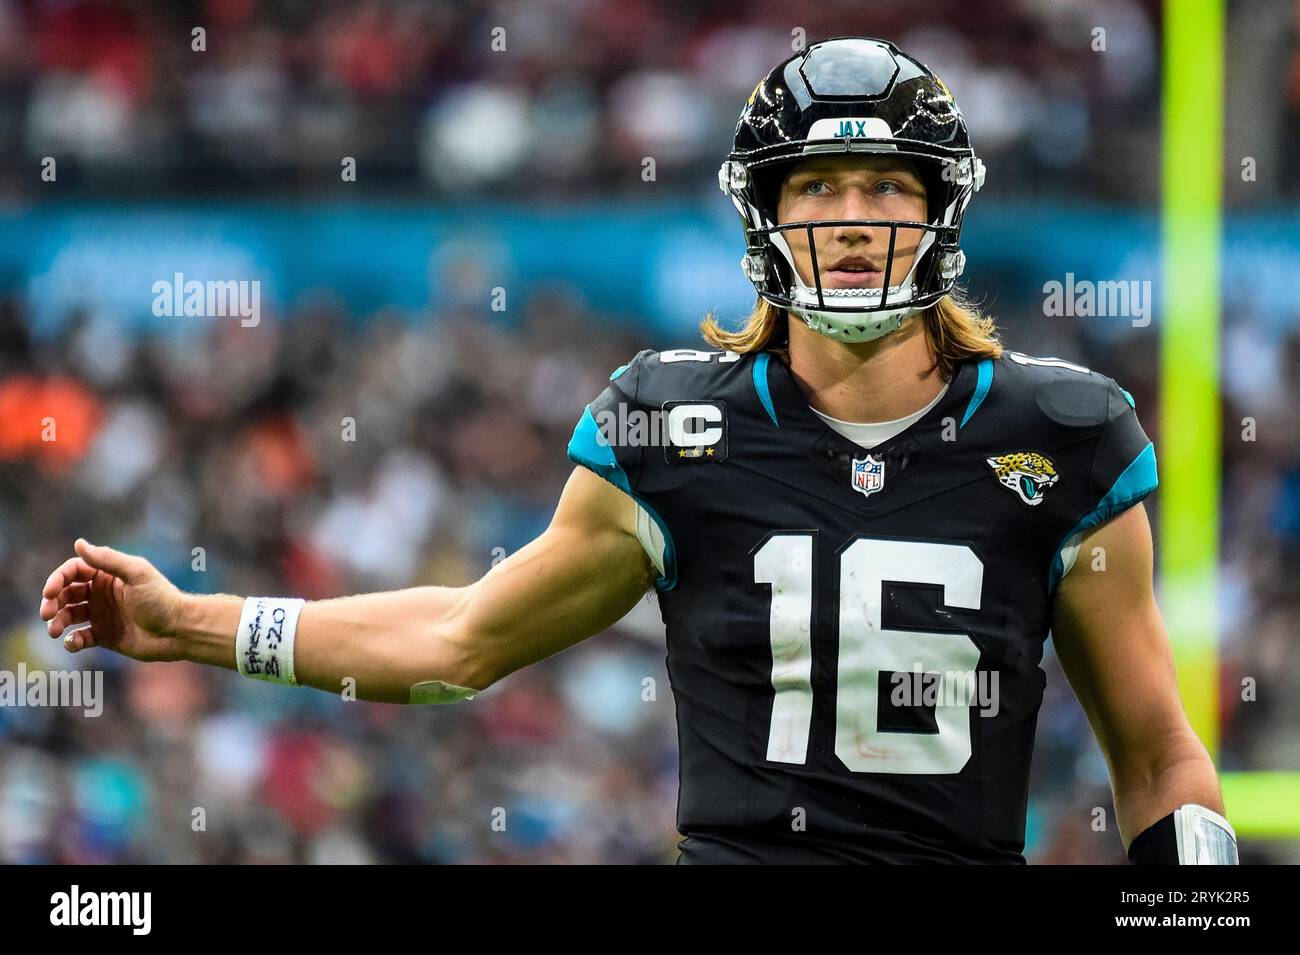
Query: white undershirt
x=868, y=434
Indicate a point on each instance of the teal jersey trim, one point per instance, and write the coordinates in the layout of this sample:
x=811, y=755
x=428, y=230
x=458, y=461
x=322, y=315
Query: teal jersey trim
x=589, y=448
x=983, y=382
x=1136, y=482
x=762, y=387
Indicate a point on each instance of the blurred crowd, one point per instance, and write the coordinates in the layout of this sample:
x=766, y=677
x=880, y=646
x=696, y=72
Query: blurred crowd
x=444, y=98
x=318, y=459
x=327, y=452
x=325, y=455
x=544, y=97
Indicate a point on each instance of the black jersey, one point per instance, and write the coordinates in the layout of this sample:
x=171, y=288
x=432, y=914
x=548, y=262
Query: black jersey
x=854, y=636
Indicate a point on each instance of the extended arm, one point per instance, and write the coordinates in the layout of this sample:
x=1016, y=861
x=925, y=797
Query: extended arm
x=579, y=577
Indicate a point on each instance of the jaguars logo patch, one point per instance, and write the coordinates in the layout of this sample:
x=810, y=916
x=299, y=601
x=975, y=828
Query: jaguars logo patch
x=1028, y=473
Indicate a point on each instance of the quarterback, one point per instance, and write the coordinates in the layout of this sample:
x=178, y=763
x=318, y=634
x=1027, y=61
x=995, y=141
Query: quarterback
x=862, y=517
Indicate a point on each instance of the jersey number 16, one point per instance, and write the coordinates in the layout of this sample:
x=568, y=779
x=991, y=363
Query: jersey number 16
x=867, y=649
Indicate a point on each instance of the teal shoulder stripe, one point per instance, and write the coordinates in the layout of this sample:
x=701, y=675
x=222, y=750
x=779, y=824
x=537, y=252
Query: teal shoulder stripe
x=983, y=382
x=589, y=448
x=1136, y=482
x=762, y=387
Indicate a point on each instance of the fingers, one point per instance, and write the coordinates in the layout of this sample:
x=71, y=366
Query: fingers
x=71, y=594
x=65, y=599
x=73, y=624
x=67, y=616
x=78, y=638
x=72, y=570
x=127, y=567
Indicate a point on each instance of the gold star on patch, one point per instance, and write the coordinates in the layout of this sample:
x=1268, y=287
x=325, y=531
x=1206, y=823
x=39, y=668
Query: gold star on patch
x=709, y=452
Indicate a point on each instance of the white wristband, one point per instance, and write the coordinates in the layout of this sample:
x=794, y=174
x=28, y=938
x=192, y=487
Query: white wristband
x=264, y=643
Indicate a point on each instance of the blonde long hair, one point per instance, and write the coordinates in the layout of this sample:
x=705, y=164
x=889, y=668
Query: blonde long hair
x=957, y=331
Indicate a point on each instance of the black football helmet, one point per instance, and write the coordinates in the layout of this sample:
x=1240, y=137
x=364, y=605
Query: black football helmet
x=851, y=95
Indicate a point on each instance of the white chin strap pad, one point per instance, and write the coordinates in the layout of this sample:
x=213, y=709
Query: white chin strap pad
x=855, y=327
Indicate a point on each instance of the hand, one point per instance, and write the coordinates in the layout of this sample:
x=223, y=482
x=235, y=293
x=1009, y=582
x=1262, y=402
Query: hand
x=132, y=609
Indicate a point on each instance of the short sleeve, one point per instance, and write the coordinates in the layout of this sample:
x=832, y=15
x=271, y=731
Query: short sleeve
x=600, y=439
x=1124, y=462
x=610, y=439
x=1123, y=472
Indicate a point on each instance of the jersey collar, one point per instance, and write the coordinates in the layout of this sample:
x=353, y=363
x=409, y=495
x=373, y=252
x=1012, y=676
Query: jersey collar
x=921, y=441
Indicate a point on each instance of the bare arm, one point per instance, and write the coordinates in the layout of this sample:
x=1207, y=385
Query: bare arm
x=579, y=577
x=1112, y=644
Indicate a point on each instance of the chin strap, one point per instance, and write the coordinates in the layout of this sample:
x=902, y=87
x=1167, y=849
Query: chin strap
x=873, y=326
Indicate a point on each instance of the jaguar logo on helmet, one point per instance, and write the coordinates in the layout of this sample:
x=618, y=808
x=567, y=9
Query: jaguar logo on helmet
x=863, y=96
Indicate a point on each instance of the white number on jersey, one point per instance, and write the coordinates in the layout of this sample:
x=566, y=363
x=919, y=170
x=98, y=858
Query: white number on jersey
x=866, y=650
x=690, y=354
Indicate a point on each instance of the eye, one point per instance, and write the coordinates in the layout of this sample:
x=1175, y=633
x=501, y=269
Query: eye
x=807, y=189
x=889, y=187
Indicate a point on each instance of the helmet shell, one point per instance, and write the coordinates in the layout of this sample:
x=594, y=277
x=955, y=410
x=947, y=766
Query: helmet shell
x=851, y=95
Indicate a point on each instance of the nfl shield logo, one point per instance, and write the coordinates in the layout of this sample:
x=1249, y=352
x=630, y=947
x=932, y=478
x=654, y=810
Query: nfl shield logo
x=867, y=475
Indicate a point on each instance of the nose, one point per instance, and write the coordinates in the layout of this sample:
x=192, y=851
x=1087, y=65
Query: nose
x=855, y=203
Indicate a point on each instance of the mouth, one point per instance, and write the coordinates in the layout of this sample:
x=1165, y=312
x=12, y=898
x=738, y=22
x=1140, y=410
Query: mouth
x=844, y=278
x=853, y=272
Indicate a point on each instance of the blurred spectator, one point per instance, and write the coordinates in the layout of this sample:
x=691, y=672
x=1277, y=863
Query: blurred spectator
x=444, y=98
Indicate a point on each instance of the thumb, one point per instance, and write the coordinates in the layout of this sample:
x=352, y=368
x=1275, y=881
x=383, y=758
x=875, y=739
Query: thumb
x=125, y=567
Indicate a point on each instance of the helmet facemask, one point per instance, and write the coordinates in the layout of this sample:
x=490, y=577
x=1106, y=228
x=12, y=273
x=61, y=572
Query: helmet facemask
x=856, y=314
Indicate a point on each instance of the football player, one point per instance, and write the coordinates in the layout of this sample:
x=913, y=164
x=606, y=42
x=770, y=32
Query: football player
x=861, y=515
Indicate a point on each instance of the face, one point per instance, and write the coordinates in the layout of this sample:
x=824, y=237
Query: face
x=852, y=187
